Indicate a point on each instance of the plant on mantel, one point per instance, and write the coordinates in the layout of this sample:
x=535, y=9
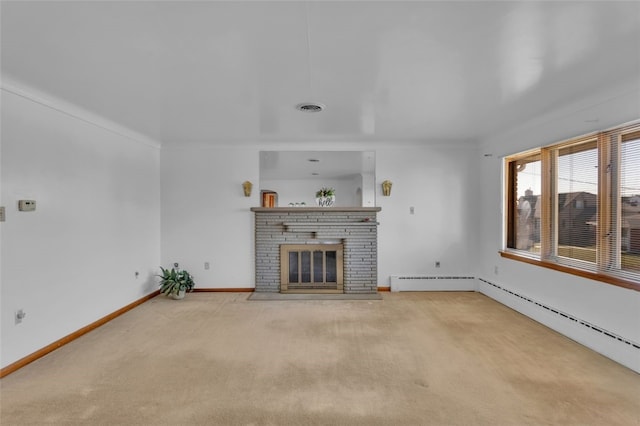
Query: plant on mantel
x=325, y=192
x=325, y=197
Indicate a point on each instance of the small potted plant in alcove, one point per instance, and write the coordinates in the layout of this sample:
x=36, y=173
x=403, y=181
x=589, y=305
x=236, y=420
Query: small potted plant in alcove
x=325, y=197
x=175, y=282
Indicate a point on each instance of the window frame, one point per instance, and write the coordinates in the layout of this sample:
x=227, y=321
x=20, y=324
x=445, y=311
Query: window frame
x=609, y=160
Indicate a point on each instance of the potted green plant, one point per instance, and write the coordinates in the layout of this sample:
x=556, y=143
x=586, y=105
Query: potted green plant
x=325, y=197
x=175, y=282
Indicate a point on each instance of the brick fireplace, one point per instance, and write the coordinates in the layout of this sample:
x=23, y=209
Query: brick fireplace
x=353, y=229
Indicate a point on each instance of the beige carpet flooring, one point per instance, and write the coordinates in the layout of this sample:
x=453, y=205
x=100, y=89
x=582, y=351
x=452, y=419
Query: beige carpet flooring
x=409, y=359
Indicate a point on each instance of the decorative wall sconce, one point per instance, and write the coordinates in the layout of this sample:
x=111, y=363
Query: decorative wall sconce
x=386, y=188
x=246, y=187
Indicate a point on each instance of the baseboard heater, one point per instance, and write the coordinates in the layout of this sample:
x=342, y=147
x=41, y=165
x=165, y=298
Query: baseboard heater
x=432, y=283
x=565, y=315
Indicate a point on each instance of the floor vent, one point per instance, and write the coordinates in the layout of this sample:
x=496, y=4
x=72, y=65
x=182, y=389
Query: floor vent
x=564, y=315
x=432, y=283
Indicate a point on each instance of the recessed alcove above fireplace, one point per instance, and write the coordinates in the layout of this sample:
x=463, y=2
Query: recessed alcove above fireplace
x=350, y=232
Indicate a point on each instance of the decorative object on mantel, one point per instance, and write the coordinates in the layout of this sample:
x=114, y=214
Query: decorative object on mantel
x=386, y=188
x=326, y=197
x=302, y=204
x=269, y=198
x=246, y=187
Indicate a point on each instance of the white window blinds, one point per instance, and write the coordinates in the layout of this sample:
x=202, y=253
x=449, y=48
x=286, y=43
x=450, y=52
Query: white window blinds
x=576, y=204
x=624, y=249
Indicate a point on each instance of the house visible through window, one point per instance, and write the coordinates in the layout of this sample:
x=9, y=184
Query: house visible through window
x=576, y=205
x=525, y=217
x=576, y=183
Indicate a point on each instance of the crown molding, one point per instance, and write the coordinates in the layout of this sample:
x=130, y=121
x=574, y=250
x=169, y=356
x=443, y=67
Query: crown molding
x=75, y=111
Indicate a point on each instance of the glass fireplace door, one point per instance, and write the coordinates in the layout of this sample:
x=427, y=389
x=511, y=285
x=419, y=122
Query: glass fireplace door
x=314, y=267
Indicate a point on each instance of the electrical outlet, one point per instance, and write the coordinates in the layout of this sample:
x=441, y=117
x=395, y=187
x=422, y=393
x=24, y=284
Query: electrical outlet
x=437, y=263
x=495, y=269
x=137, y=274
x=206, y=265
x=19, y=316
x=1, y=214
x=412, y=210
x=26, y=205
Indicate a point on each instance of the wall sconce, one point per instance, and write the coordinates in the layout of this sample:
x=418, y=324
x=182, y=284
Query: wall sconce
x=246, y=187
x=386, y=188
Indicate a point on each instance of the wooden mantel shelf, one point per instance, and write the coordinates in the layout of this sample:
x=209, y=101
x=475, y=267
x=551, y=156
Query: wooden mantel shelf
x=277, y=210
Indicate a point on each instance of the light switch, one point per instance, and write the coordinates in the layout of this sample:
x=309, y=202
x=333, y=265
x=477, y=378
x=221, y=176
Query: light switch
x=26, y=205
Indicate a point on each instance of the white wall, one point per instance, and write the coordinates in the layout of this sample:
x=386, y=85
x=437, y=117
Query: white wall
x=367, y=183
x=97, y=222
x=205, y=217
x=439, y=182
x=609, y=307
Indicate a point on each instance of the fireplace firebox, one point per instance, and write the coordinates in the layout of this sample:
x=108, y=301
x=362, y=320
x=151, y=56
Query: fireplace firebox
x=311, y=268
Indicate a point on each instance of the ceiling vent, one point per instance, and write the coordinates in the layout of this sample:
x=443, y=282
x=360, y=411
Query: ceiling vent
x=310, y=107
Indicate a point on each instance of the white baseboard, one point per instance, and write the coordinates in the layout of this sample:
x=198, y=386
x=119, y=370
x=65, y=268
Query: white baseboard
x=432, y=283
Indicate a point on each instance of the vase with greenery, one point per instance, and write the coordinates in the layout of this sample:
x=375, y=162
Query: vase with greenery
x=175, y=282
x=326, y=197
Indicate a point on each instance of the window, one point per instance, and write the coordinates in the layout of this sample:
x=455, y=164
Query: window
x=576, y=184
x=525, y=183
x=628, y=202
x=575, y=206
